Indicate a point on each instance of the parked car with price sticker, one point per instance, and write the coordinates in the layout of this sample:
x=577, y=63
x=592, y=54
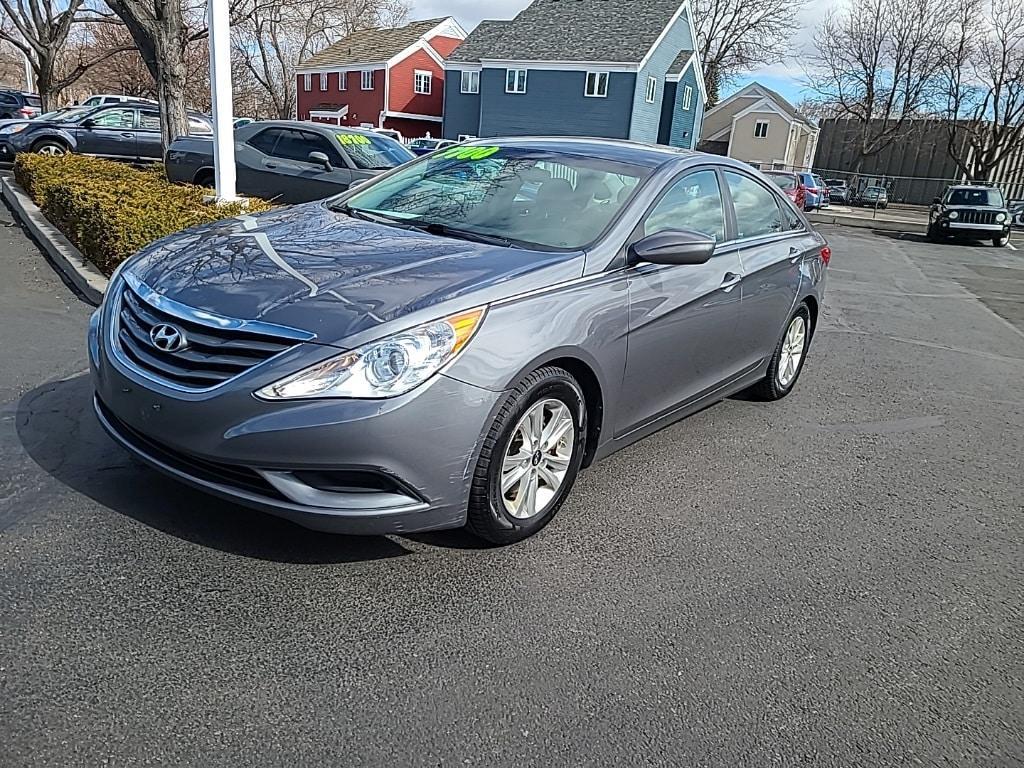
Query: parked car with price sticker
x=290, y=161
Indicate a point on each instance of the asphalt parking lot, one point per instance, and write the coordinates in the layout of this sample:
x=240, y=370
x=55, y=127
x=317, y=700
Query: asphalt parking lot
x=834, y=579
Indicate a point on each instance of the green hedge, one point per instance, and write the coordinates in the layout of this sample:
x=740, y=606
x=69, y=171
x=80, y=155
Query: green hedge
x=110, y=210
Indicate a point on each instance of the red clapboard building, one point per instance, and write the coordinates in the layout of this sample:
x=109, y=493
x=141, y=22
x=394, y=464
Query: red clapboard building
x=382, y=78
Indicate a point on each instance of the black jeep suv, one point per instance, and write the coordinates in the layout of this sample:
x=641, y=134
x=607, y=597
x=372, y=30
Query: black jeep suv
x=970, y=212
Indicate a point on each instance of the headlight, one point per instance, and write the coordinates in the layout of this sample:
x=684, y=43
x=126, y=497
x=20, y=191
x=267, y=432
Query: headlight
x=16, y=128
x=1000, y=217
x=954, y=215
x=384, y=368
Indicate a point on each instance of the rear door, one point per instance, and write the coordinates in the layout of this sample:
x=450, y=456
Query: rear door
x=112, y=134
x=148, y=135
x=772, y=242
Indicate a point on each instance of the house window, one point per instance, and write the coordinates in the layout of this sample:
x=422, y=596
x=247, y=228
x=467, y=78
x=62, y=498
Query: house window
x=421, y=81
x=307, y=82
x=597, y=84
x=515, y=81
x=761, y=129
x=470, y=82
x=323, y=82
x=342, y=81
x=367, y=80
x=652, y=89
x=687, y=97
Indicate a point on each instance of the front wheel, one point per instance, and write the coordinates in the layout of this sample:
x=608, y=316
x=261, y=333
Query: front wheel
x=788, y=359
x=1002, y=241
x=52, y=148
x=530, y=458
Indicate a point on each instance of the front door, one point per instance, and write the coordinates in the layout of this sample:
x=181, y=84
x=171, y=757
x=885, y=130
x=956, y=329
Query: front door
x=773, y=243
x=288, y=171
x=682, y=318
x=111, y=134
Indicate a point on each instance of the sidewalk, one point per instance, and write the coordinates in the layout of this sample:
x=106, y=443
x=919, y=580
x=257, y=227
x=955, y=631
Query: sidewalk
x=888, y=220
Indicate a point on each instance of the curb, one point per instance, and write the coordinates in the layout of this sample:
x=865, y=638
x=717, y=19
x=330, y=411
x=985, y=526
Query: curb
x=69, y=260
x=879, y=225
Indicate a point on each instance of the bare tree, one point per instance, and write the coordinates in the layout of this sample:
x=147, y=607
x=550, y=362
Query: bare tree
x=739, y=35
x=40, y=29
x=278, y=34
x=877, y=62
x=983, y=75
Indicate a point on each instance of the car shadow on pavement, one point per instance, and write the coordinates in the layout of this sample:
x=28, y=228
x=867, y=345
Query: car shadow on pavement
x=57, y=427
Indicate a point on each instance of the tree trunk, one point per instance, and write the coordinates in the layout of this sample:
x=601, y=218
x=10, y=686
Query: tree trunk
x=170, y=79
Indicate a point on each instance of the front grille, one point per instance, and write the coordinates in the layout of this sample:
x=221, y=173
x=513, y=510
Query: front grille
x=232, y=475
x=969, y=216
x=210, y=357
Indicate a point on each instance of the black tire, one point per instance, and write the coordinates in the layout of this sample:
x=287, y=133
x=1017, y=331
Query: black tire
x=487, y=515
x=1001, y=242
x=50, y=147
x=770, y=387
x=205, y=178
x=933, y=234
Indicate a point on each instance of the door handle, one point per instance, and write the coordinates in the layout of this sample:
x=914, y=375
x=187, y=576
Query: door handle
x=270, y=165
x=128, y=135
x=730, y=281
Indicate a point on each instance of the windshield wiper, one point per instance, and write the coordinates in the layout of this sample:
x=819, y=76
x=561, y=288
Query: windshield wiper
x=437, y=228
x=376, y=218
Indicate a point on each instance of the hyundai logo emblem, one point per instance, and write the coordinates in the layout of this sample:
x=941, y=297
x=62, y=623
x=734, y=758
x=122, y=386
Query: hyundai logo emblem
x=167, y=338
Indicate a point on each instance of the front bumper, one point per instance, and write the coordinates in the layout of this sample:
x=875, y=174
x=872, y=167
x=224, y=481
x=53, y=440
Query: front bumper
x=420, y=449
x=977, y=231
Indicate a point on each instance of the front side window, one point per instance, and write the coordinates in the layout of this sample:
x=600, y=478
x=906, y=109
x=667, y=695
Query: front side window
x=652, y=89
x=421, y=82
x=694, y=202
x=266, y=140
x=687, y=97
x=307, y=82
x=367, y=80
x=115, y=118
x=597, y=84
x=471, y=82
x=761, y=129
x=515, y=81
x=531, y=197
x=323, y=82
x=296, y=145
x=757, y=210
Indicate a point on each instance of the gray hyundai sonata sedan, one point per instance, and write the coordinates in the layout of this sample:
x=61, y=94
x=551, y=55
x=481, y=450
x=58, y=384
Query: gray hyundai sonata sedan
x=449, y=344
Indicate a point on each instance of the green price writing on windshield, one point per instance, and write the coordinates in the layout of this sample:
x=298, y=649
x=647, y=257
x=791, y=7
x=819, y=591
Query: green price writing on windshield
x=469, y=153
x=352, y=138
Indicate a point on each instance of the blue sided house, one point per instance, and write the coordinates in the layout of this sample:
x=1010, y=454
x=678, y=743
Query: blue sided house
x=625, y=70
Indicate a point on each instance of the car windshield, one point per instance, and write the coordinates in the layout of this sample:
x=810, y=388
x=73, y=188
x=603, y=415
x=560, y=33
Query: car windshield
x=783, y=180
x=65, y=115
x=980, y=196
x=527, y=197
x=836, y=183
x=372, y=151
x=424, y=143
x=875, y=190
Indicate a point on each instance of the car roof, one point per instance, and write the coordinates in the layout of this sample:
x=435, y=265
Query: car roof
x=616, y=150
x=311, y=124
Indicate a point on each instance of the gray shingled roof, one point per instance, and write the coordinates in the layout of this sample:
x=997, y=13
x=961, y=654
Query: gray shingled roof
x=370, y=45
x=786, y=106
x=575, y=30
x=480, y=41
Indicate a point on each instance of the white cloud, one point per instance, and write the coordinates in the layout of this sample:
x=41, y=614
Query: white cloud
x=468, y=13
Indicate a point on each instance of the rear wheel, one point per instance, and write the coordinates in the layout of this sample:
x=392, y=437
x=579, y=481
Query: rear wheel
x=205, y=178
x=530, y=458
x=788, y=359
x=52, y=148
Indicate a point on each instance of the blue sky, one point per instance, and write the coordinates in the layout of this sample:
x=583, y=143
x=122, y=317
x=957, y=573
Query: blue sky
x=785, y=78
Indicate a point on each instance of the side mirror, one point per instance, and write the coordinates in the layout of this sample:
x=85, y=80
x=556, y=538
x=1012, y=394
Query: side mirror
x=321, y=159
x=673, y=246
x=88, y=123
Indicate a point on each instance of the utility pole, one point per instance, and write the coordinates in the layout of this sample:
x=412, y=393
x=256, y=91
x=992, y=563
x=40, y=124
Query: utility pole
x=220, y=93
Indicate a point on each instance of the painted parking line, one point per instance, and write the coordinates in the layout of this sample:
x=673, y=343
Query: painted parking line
x=1011, y=246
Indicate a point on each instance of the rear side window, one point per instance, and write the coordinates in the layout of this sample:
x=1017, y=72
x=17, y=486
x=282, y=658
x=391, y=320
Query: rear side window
x=197, y=127
x=33, y=101
x=149, y=121
x=694, y=202
x=757, y=211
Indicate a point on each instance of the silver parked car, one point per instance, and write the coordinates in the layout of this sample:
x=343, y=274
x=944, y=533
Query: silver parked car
x=452, y=342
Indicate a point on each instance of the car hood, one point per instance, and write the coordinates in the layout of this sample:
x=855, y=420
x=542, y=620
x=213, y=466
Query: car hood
x=311, y=268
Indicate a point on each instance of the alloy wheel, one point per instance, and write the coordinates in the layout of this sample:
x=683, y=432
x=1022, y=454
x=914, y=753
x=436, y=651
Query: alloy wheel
x=792, y=351
x=50, y=149
x=537, y=458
